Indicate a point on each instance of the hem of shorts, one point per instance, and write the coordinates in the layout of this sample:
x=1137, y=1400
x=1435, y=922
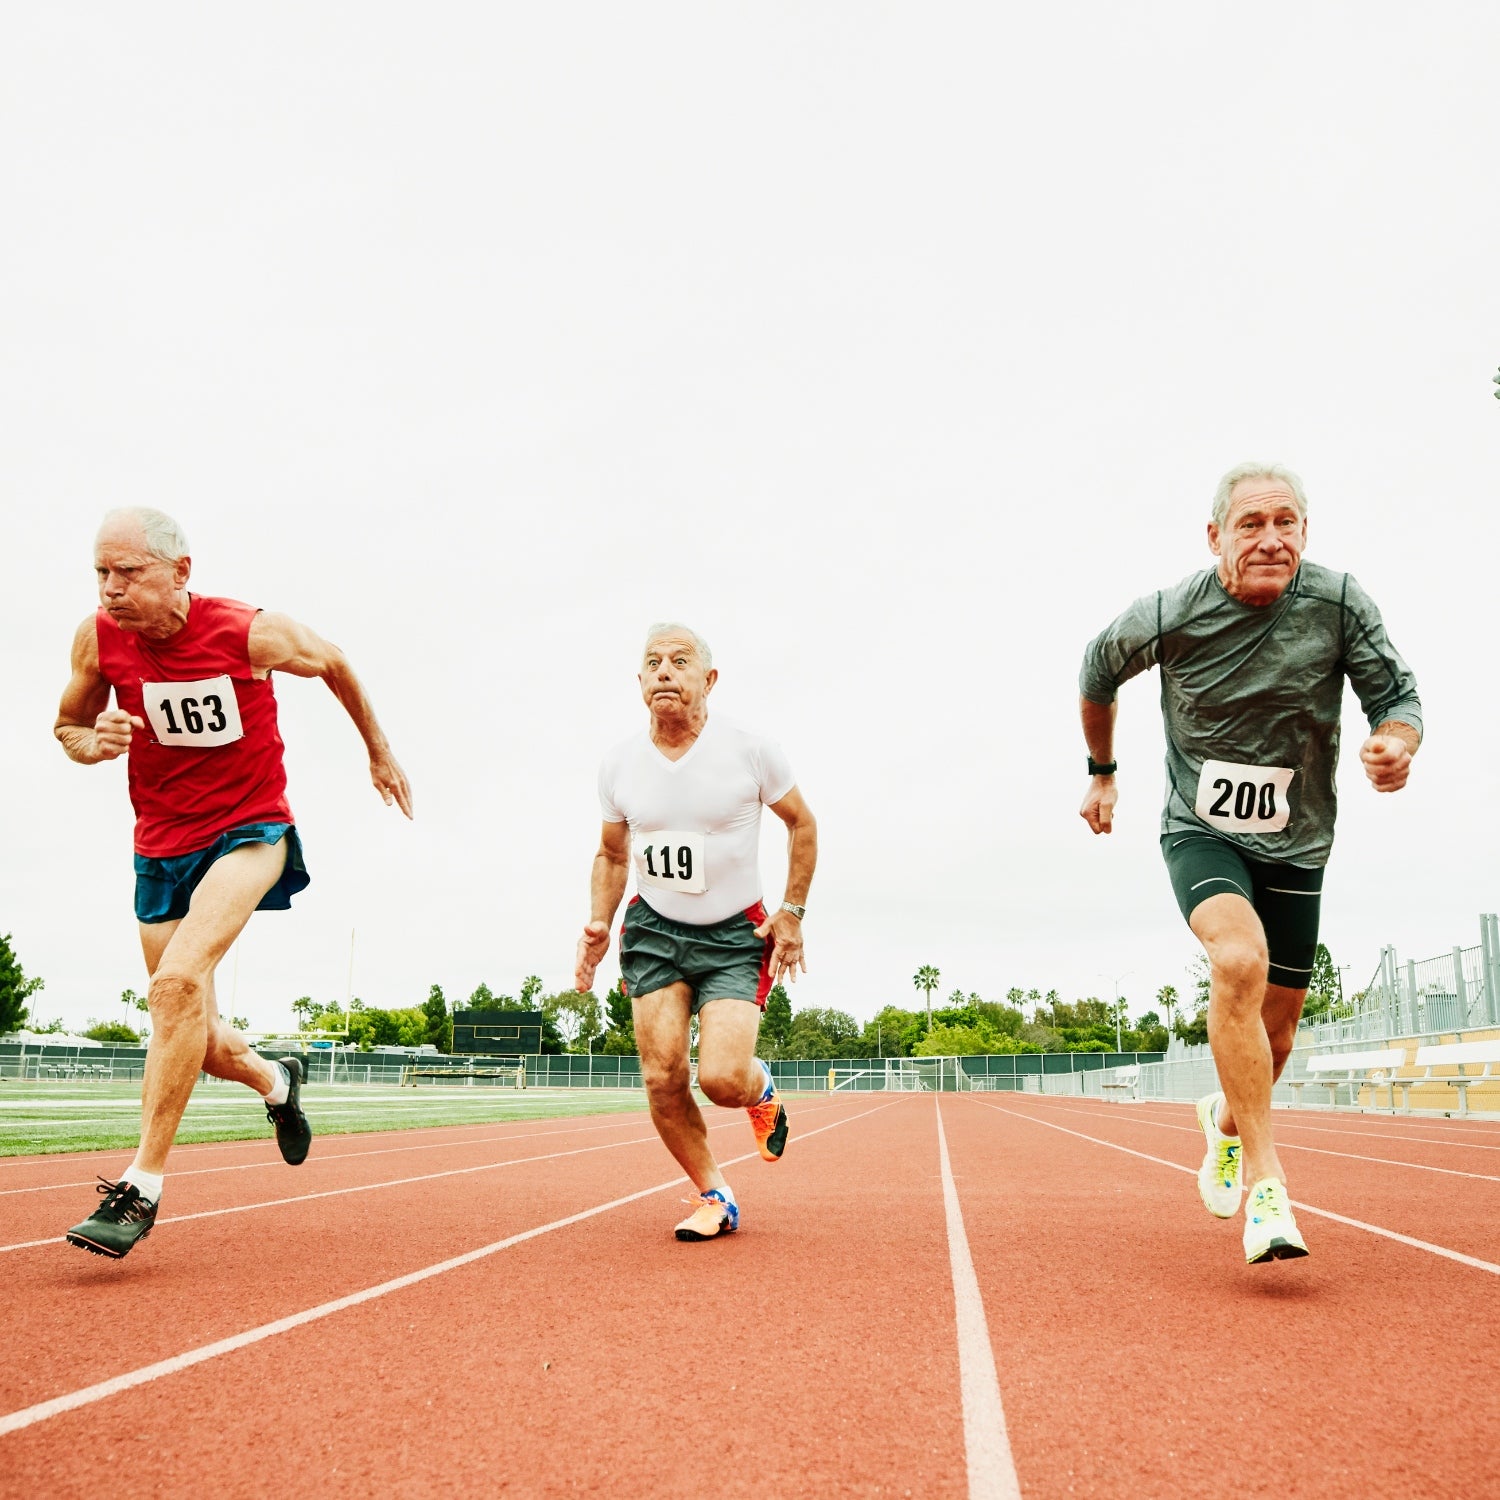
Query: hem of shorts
x=1307, y=860
x=276, y=815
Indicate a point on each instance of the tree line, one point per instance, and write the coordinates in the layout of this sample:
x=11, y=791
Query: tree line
x=964, y=1025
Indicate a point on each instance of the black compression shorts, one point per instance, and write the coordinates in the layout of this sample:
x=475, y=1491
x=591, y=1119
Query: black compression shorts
x=1286, y=898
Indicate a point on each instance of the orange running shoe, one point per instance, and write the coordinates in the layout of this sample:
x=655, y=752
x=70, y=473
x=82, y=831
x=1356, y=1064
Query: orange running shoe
x=768, y=1121
x=712, y=1215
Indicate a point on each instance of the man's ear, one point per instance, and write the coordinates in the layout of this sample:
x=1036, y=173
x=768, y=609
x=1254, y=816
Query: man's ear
x=1213, y=538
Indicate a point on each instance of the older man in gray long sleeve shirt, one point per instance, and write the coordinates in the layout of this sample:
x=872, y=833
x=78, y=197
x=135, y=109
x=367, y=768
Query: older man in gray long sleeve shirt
x=1253, y=656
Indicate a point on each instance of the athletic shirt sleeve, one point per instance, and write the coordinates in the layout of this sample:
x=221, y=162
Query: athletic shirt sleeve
x=607, y=807
x=1129, y=646
x=773, y=771
x=1386, y=686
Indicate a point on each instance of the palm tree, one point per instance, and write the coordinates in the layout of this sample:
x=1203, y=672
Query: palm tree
x=926, y=978
x=1166, y=996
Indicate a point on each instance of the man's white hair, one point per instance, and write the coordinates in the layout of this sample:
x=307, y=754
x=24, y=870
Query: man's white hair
x=1253, y=470
x=676, y=627
x=164, y=537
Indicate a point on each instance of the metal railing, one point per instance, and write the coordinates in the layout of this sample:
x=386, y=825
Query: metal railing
x=1455, y=991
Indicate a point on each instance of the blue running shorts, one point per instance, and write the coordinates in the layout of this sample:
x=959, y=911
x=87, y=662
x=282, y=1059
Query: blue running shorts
x=164, y=887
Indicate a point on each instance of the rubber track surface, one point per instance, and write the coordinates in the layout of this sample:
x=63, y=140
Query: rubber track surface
x=813, y=1354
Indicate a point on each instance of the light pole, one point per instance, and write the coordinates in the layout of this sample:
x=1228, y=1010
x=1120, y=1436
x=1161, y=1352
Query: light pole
x=1116, y=980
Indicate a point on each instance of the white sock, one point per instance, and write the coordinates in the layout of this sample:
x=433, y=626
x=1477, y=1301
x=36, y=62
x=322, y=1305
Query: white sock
x=282, y=1088
x=148, y=1184
x=728, y=1193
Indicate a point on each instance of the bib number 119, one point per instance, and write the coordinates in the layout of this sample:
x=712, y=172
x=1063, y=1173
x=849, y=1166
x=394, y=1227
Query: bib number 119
x=669, y=861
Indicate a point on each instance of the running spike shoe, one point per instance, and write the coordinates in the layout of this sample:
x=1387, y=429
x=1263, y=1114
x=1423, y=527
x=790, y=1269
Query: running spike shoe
x=1220, y=1178
x=293, y=1133
x=768, y=1121
x=114, y=1227
x=713, y=1214
x=1271, y=1232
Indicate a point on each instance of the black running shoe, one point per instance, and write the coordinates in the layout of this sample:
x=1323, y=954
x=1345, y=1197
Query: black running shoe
x=123, y=1218
x=293, y=1133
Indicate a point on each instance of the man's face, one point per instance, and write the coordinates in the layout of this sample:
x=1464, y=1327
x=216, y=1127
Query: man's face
x=139, y=591
x=1261, y=543
x=672, y=677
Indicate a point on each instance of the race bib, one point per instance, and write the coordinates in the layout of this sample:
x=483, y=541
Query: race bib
x=196, y=715
x=671, y=861
x=1244, y=799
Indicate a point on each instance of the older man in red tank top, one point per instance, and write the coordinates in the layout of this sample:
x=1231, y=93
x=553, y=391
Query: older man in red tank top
x=195, y=712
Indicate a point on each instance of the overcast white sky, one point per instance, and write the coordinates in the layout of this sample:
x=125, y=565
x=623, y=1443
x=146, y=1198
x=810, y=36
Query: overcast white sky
x=896, y=347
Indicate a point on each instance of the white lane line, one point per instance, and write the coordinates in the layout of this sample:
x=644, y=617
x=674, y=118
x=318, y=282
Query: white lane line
x=1287, y=1119
x=29, y=1416
x=276, y=1161
x=992, y=1469
x=203, y=1148
x=1322, y=1213
x=488, y=1166
x=1381, y=1161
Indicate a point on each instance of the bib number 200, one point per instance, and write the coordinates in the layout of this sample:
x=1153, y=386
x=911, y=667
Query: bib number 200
x=1244, y=799
x=670, y=861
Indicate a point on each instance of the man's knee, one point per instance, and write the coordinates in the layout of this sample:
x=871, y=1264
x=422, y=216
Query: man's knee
x=724, y=1085
x=176, y=1000
x=1240, y=969
x=665, y=1079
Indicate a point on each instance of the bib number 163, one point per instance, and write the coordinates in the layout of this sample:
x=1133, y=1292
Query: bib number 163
x=1244, y=799
x=666, y=860
x=194, y=715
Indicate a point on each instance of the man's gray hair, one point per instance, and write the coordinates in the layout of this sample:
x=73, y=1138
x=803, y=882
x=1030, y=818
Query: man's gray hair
x=1256, y=471
x=676, y=627
x=164, y=537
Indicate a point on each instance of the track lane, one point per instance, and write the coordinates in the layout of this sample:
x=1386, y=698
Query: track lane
x=1411, y=1197
x=1138, y=1355
x=219, y=1272
x=807, y=1355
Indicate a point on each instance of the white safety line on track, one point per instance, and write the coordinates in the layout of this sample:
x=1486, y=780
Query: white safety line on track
x=318, y=1160
x=992, y=1468
x=1380, y=1161
x=487, y=1166
x=43, y=1410
x=1324, y=1213
x=1288, y=1120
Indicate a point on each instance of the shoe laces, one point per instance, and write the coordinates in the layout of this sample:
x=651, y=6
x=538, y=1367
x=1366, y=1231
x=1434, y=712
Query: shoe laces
x=764, y=1113
x=122, y=1204
x=1267, y=1202
x=1227, y=1159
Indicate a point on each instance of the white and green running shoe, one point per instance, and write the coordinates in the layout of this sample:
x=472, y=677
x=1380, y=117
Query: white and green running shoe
x=1219, y=1179
x=1271, y=1232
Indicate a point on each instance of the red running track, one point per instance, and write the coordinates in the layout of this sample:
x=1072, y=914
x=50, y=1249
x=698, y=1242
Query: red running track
x=503, y=1309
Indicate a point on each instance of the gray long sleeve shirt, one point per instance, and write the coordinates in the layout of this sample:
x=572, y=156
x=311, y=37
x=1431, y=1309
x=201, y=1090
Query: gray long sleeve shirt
x=1251, y=697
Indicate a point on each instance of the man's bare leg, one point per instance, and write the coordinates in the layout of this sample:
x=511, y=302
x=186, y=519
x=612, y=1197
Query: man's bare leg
x=1280, y=1011
x=662, y=1021
x=1235, y=942
x=185, y=1024
x=727, y=1070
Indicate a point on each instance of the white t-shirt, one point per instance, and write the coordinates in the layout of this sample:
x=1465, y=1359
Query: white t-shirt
x=695, y=822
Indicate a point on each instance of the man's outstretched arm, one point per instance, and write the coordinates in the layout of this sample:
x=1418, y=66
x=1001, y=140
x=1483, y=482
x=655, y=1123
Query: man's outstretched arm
x=606, y=887
x=279, y=644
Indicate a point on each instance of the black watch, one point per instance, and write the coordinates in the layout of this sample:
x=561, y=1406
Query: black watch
x=1101, y=767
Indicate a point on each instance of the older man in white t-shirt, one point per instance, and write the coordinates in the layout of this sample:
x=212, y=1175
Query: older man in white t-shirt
x=681, y=802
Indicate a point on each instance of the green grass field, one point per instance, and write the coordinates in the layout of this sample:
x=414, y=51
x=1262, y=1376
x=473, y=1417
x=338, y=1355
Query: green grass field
x=37, y=1118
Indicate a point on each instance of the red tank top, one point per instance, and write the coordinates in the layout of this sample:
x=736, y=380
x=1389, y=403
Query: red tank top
x=209, y=758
